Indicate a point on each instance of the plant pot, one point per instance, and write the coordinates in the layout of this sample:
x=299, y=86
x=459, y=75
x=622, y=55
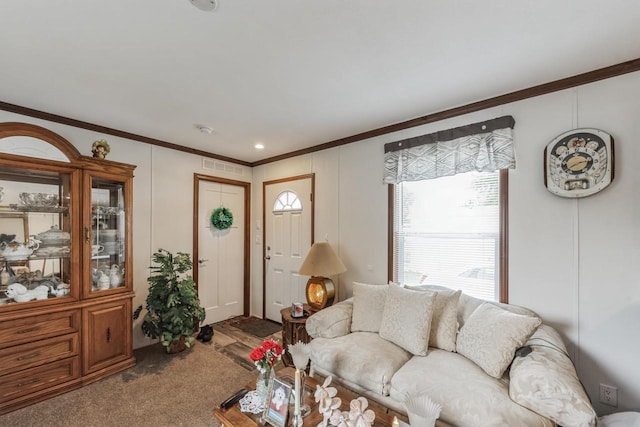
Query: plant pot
x=177, y=346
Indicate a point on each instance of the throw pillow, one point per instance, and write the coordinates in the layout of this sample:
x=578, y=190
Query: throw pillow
x=368, y=304
x=444, y=324
x=491, y=336
x=406, y=319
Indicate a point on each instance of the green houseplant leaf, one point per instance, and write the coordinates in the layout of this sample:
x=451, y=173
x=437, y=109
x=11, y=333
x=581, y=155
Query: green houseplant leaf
x=173, y=308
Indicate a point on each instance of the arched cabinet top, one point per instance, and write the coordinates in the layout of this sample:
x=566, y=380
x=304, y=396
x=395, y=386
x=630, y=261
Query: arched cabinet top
x=61, y=150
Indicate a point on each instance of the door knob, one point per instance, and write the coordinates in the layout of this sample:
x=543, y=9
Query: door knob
x=202, y=261
x=268, y=257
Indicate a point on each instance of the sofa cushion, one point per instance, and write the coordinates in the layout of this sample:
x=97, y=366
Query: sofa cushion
x=360, y=357
x=444, y=323
x=546, y=382
x=406, y=320
x=469, y=304
x=333, y=321
x=469, y=397
x=491, y=336
x=368, y=305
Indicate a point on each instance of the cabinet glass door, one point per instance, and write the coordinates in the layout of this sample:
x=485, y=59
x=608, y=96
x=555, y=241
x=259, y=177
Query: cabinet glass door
x=108, y=234
x=35, y=236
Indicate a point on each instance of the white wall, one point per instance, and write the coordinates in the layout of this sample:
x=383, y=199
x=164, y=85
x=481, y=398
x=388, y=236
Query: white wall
x=162, y=197
x=572, y=261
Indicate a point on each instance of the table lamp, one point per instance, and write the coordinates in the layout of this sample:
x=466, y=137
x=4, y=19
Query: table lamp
x=321, y=261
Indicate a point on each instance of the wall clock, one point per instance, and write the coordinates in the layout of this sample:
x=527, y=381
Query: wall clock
x=579, y=163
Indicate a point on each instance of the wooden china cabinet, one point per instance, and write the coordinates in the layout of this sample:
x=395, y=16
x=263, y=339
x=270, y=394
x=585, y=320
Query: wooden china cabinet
x=66, y=266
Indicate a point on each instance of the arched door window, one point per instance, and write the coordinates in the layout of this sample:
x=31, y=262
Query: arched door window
x=287, y=201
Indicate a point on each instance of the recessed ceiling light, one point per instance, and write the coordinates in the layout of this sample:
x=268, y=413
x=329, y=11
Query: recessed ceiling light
x=204, y=129
x=206, y=5
x=259, y=146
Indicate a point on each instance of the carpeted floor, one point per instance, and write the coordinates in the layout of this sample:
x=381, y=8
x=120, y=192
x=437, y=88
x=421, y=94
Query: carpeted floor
x=161, y=390
x=258, y=327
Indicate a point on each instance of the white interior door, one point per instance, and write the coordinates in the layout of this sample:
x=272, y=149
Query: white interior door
x=220, y=252
x=288, y=219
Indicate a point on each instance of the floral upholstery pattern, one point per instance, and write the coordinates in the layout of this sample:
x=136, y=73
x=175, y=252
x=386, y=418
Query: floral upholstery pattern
x=368, y=305
x=406, y=320
x=540, y=393
x=444, y=324
x=545, y=381
x=491, y=336
x=469, y=397
x=360, y=357
x=332, y=323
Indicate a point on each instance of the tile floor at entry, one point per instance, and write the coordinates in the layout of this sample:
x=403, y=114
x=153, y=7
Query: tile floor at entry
x=237, y=344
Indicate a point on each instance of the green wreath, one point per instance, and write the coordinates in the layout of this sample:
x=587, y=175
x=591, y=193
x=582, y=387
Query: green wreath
x=222, y=218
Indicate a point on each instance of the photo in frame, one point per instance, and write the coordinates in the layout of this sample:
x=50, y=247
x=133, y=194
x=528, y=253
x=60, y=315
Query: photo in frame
x=277, y=408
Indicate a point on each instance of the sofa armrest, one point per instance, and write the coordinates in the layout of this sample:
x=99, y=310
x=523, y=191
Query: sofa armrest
x=545, y=381
x=331, y=322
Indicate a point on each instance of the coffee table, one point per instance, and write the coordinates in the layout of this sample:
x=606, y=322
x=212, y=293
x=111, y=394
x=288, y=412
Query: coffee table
x=234, y=417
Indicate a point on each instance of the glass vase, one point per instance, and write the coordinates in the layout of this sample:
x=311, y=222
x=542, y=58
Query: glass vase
x=263, y=381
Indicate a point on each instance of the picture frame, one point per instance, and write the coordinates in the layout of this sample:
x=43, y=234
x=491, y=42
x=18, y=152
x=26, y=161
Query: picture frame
x=297, y=309
x=276, y=410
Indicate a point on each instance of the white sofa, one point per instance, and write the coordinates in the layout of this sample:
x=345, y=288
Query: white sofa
x=389, y=342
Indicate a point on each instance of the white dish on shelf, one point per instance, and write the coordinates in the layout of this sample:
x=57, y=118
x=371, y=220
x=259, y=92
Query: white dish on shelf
x=53, y=237
x=110, y=247
x=20, y=257
x=39, y=199
x=107, y=235
x=52, y=251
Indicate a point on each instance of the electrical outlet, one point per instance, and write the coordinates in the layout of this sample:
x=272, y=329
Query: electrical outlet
x=608, y=395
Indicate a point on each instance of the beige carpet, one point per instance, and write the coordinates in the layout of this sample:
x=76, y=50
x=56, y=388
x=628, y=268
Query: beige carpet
x=161, y=390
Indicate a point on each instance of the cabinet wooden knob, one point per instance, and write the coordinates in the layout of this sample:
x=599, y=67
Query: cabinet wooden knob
x=29, y=356
x=35, y=380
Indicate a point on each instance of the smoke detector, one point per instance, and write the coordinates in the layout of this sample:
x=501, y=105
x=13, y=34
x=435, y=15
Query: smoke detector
x=206, y=5
x=204, y=129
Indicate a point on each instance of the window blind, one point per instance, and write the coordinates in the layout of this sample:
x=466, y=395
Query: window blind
x=447, y=233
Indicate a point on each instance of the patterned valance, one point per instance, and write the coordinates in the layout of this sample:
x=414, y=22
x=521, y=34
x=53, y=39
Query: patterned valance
x=484, y=147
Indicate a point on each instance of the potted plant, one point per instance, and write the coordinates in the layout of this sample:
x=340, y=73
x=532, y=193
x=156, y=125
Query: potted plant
x=174, y=312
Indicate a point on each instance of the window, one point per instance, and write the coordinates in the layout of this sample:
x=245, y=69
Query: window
x=287, y=201
x=447, y=232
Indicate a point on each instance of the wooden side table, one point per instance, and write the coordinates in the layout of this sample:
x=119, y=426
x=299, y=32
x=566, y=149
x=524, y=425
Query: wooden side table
x=293, y=330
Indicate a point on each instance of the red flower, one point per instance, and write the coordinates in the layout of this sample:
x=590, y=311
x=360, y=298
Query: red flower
x=267, y=355
x=269, y=344
x=257, y=354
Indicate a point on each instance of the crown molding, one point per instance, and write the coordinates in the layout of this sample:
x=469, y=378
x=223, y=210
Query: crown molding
x=519, y=95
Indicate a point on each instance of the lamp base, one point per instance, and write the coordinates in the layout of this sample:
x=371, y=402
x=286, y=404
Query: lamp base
x=320, y=292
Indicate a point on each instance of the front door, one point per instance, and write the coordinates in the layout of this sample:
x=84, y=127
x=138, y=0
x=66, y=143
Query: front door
x=288, y=228
x=222, y=259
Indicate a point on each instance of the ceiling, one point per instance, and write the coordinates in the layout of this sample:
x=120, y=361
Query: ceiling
x=292, y=74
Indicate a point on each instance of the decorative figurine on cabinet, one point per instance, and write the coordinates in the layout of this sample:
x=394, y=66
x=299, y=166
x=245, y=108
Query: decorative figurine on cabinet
x=100, y=149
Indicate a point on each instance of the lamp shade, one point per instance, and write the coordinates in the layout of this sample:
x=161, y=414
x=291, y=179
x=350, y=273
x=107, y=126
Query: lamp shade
x=321, y=261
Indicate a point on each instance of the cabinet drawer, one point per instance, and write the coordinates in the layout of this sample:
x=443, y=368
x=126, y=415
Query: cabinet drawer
x=32, y=380
x=27, y=329
x=25, y=356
